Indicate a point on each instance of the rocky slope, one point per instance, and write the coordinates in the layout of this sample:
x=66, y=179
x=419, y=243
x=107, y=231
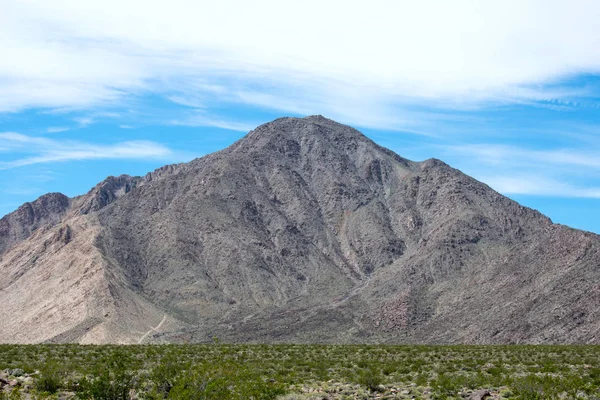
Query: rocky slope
x=304, y=231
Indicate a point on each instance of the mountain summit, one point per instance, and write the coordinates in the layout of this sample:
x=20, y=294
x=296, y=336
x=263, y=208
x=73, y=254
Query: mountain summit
x=302, y=231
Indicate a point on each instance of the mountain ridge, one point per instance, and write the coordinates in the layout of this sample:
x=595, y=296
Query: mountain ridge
x=303, y=230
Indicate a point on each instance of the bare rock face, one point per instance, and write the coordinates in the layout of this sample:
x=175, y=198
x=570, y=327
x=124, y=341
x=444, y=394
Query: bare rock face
x=45, y=211
x=303, y=231
x=105, y=193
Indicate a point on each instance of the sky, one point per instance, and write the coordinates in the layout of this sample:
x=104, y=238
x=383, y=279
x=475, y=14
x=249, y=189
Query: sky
x=506, y=91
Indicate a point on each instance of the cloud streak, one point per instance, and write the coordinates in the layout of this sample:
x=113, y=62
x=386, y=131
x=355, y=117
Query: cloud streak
x=495, y=154
x=39, y=150
x=565, y=172
x=539, y=185
x=57, y=129
x=201, y=119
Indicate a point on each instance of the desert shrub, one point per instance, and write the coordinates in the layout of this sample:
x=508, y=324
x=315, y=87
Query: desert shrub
x=594, y=375
x=446, y=386
x=388, y=369
x=50, y=378
x=225, y=381
x=164, y=376
x=550, y=386
x=496, y=371
x=370, y=378
x=15, y=394
x=421, y=379
x=534, y=387
x=106, y=386
x=113, y=378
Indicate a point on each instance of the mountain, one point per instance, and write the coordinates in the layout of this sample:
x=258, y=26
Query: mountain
x=302, y=231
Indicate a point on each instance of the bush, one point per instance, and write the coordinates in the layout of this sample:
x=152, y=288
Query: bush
x=15, y=394
x=164, y=376
x=226, y=381
x=371, y=379
x=446, y=386
x=111, y=381
x=533, y=387
x=50, y=379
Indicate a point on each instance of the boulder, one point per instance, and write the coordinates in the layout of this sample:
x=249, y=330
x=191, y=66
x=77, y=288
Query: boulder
x=480, y=395
x=17, y=372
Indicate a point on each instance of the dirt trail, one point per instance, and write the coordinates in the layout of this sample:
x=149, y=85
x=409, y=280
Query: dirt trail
x=153, y=329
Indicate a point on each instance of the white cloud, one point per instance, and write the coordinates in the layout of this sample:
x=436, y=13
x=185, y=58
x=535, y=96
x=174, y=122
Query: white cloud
x=346, y=55
x=566, y=172
x=57, y=129
x=539, y=185
x=21, y=190
x=37, y=150
x=84, y=121
x=199, y=119
x=512, y=155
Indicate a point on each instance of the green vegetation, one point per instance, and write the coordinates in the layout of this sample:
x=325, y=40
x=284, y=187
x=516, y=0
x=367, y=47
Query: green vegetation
x=223, y=371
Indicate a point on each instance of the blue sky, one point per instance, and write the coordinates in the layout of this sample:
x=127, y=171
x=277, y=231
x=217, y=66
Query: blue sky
x=508, y=92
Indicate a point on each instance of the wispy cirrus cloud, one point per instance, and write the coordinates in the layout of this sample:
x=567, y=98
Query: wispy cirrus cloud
x=201, y=119
x=28, y=150
x=84, y=121
x=539, y=185
x=498, y=154
x=57, y=129
x=368, y=68
x=510, y=169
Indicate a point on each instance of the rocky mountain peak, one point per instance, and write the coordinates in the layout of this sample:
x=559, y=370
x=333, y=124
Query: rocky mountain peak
x=18, y=225
x=302, y=231
x=311, y=144
x=315, y=128
x=106, y=192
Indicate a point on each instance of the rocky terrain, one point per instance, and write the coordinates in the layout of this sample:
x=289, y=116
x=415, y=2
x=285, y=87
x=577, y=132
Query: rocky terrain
x=302, y=231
